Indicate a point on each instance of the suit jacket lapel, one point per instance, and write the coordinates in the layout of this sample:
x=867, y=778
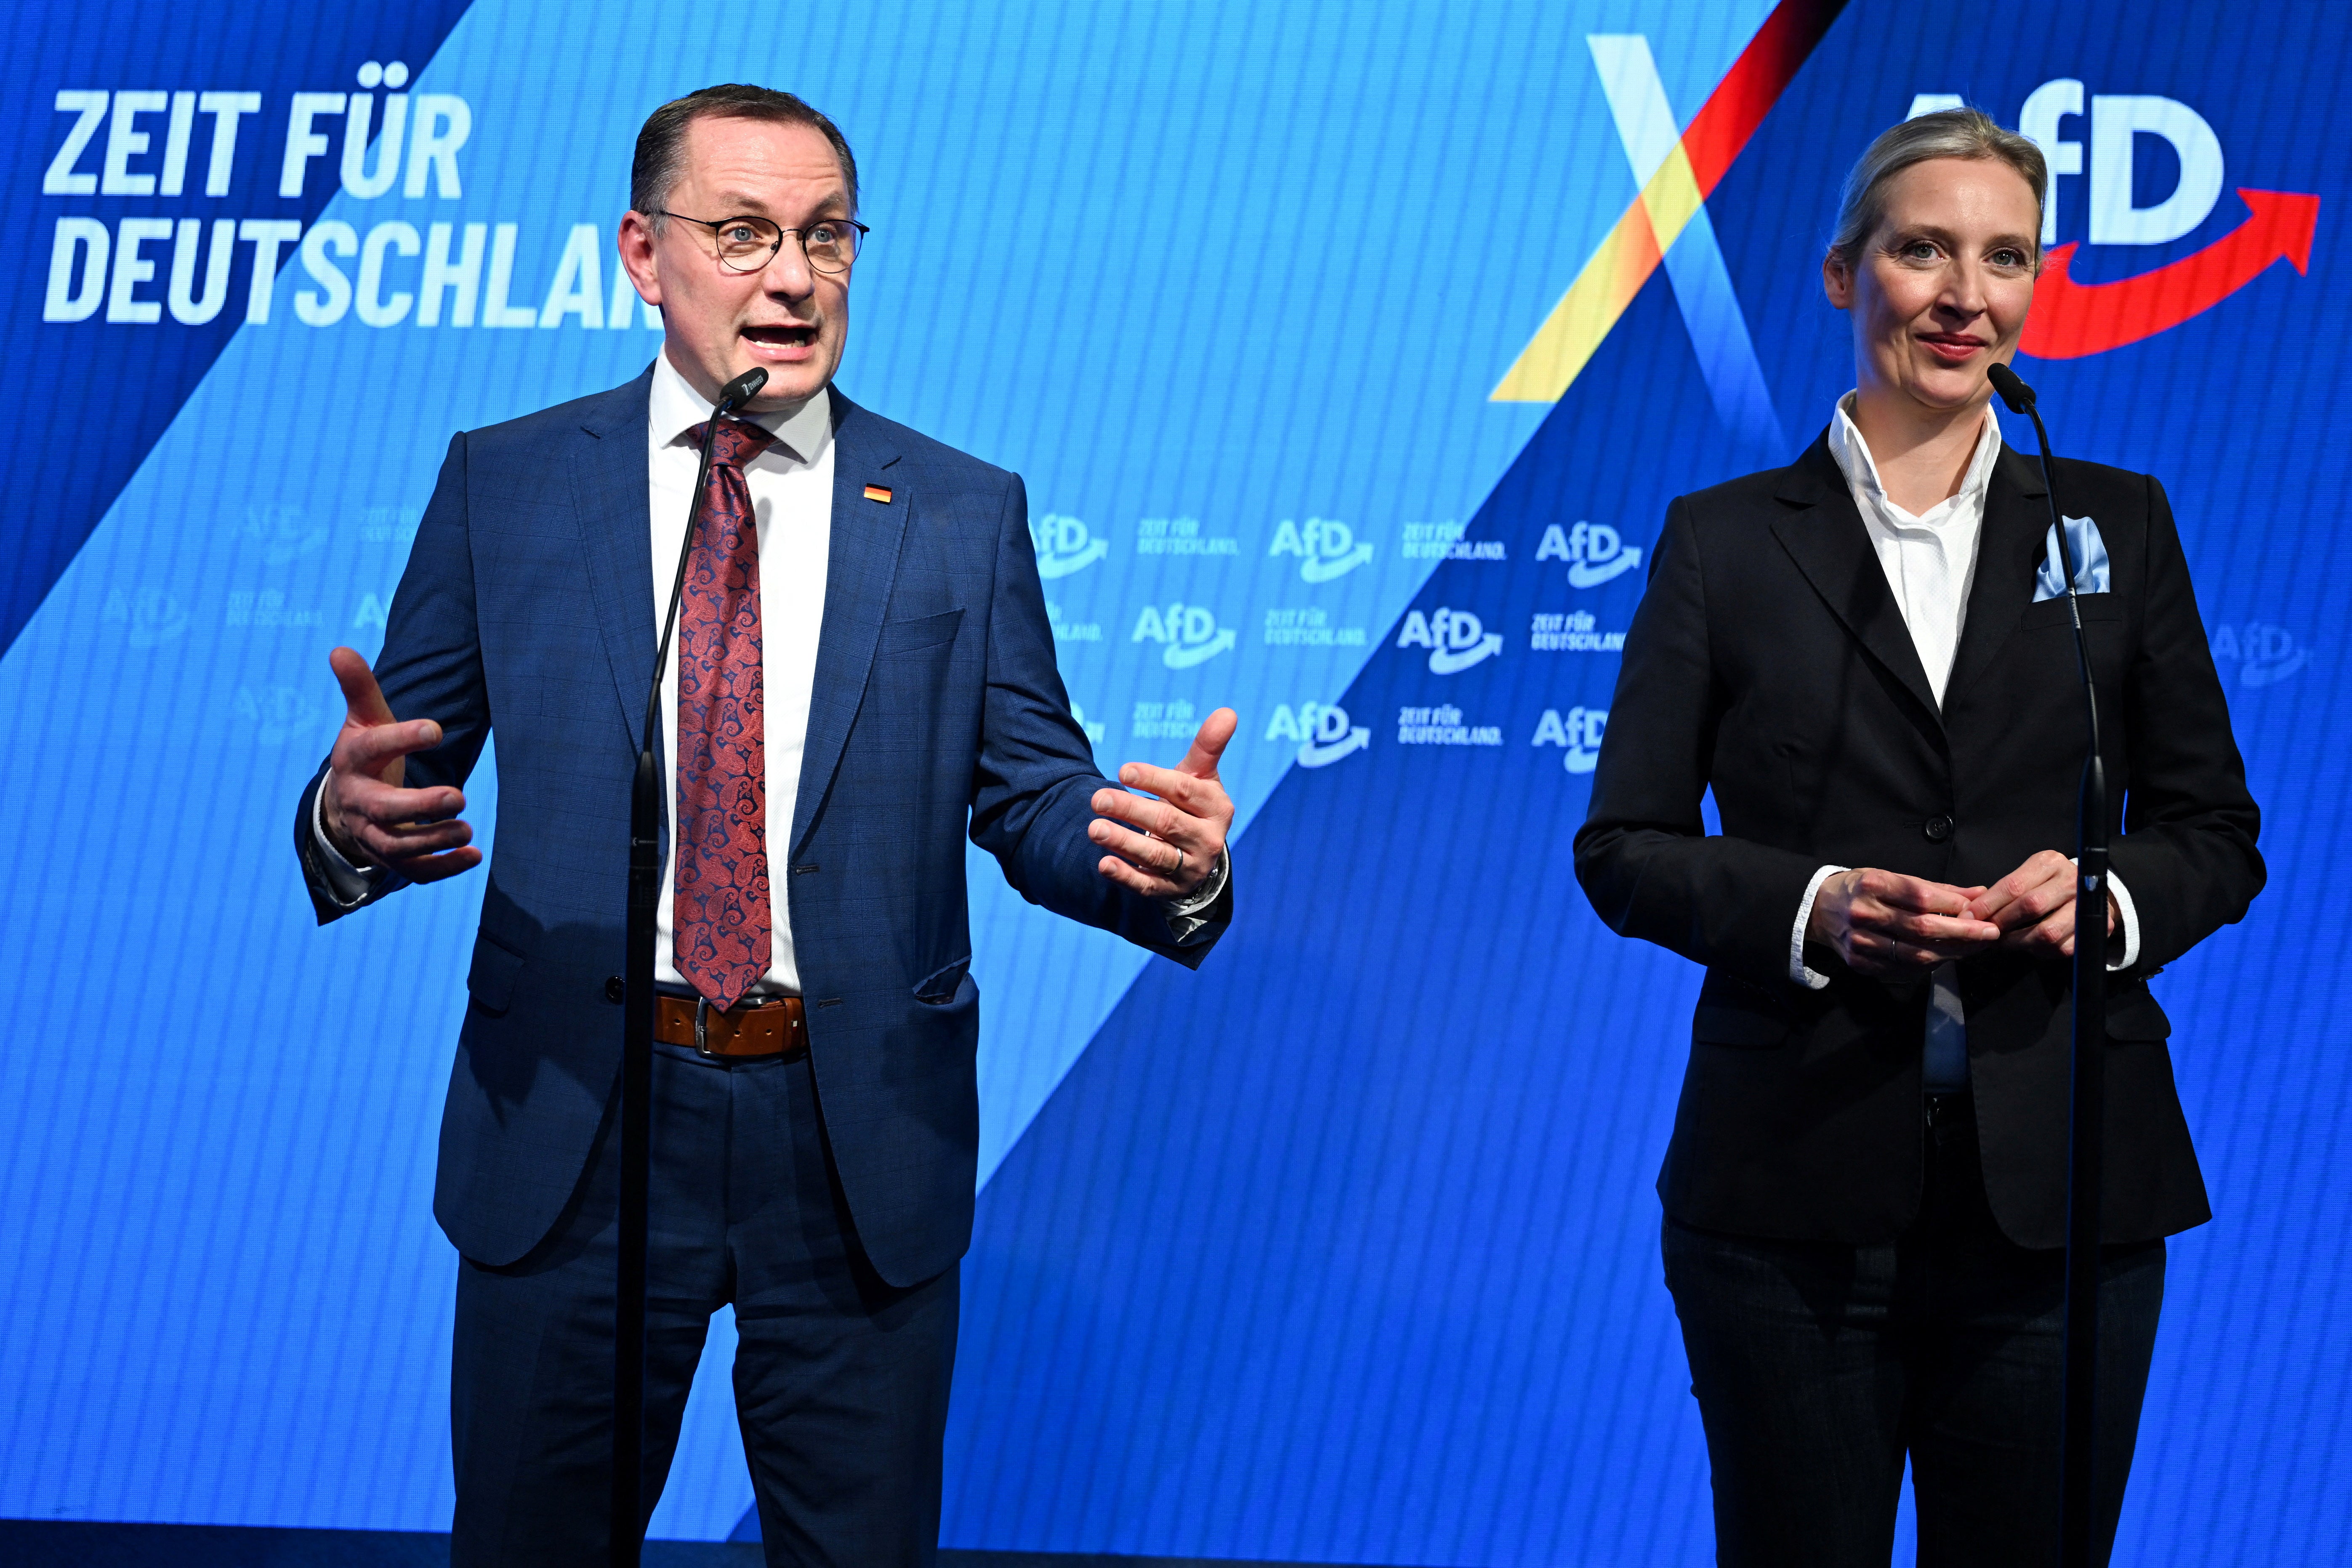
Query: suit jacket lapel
x=1830, y=546
x=609, y=480
x=861, y=563
x=2016, y=519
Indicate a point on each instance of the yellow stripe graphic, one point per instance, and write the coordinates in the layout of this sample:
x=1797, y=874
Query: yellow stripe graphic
x=1590, y=310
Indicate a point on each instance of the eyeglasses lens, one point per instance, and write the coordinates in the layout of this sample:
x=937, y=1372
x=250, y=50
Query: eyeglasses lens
x=831, y=245
x=747, y=244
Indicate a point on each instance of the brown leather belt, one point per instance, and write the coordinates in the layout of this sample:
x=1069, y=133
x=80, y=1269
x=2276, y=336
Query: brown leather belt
x=778, y=1026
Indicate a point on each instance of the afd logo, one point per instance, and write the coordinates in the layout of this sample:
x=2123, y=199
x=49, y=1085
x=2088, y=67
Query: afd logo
x=1188, y=633
x=149, y=616
x=1595, y=553
x=2072, y=320
x=276, y=714
x=1064, y=545
x=1456, y=639
x=1322, y=731
x=1326, y=548
x=1579, y=731
x=282, y=533
x=2260, y=655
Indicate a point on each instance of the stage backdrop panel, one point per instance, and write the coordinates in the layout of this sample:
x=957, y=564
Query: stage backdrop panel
x=1350, y=373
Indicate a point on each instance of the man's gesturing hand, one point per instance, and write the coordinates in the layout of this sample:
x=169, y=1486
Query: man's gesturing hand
x=2033, y=906
x=1182, y=831
x=1885, y=923
x=366, y=813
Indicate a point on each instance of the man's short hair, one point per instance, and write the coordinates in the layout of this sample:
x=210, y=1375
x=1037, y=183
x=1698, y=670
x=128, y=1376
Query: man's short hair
x=660, y=161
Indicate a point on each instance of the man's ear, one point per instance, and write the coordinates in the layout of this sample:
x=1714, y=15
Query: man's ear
x=637, y=242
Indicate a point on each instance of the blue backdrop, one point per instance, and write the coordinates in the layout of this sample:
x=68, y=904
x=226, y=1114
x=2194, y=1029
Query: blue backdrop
x=1336, y=348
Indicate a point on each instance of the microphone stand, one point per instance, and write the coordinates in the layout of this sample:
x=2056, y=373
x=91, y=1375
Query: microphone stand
x=2077, y=1432
x=627, y=1495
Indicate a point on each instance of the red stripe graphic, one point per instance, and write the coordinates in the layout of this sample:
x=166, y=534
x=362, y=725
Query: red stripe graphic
x=1755, y=82
x=2071, y=320
x=1615, y=272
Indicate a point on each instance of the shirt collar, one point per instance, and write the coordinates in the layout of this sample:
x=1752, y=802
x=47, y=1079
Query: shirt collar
x=1861, y=469
x=676, y=408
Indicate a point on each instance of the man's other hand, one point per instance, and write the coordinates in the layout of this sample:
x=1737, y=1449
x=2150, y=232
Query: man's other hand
x=2034, y=907
x=368, y=817
x=1165, y=848
x=1885, y=923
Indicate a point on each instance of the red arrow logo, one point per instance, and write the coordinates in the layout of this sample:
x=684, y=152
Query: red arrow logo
x=2069, y=319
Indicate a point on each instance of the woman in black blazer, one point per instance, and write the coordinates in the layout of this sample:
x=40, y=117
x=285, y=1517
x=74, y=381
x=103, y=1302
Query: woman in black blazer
x=1862, y=655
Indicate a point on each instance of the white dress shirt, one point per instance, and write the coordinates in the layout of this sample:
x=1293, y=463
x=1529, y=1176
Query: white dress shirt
x=1930, y=561
x=791, y=481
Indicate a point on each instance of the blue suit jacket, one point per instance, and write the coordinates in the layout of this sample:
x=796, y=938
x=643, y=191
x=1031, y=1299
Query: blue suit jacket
x=527, y=610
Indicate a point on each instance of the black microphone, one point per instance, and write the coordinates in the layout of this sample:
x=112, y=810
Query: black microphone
x=2011, y=387
x=742, y=389
x=2087, y=1111
x=2021, y=400
x=627, y=1520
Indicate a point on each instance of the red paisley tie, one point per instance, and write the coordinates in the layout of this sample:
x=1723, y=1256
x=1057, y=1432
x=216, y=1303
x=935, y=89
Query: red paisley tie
x=720, y=916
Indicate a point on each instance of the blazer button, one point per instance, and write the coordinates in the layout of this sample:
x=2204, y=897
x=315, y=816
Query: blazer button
x=1938, y=830
x=614, y=989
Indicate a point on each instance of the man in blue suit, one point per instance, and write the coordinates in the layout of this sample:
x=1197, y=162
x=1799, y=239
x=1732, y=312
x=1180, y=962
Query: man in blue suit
x=863, y=674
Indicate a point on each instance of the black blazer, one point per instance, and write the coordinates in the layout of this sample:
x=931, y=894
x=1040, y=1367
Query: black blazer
x=1768, y=661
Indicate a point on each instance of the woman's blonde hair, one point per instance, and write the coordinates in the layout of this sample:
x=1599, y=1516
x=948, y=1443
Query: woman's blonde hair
x=1945, y=133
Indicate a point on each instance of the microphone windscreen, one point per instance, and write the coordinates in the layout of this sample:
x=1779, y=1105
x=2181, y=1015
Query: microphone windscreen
x=2013, y=391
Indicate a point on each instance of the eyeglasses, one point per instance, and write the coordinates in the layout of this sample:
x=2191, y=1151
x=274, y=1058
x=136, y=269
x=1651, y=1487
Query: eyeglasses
x=749, y=244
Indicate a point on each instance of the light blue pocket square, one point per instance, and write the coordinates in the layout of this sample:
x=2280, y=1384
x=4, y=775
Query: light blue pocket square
x=2090, y=561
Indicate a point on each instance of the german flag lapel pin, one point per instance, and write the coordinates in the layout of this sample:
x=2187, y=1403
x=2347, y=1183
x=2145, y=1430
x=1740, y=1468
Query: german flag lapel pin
x=878, y=492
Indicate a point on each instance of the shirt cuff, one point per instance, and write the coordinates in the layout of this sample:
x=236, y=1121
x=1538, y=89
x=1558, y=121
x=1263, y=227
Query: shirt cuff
x=1183, y=915
x=2129, y=920
x=1810, y=979
x=347, y=885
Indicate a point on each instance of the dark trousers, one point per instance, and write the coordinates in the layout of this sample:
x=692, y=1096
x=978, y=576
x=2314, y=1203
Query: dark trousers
x=841, y=1382
x=1818, y=1367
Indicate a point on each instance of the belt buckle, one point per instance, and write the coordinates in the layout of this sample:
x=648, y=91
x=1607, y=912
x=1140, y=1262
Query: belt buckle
x=702, y=1026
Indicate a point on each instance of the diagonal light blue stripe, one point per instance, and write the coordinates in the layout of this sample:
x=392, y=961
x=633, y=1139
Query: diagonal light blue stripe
x=1695, y=264
x=1718, y=330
